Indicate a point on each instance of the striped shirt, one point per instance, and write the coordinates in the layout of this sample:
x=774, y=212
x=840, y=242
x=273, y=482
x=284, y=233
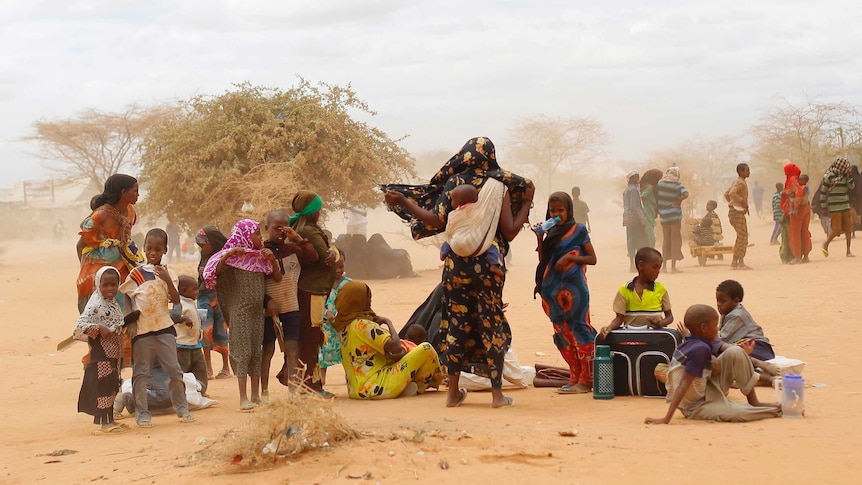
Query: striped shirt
x=838, y=198
x=668, y=197
x=777, y=213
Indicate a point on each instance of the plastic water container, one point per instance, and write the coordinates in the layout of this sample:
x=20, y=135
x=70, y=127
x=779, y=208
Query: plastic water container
x=603, y=373
x=793, y=396
x=546, y=226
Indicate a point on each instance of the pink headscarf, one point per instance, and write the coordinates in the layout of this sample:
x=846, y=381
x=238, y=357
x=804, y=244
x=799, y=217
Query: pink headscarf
x=252, y=260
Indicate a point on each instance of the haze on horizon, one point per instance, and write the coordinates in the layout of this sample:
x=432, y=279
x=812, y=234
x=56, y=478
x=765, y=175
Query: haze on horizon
x=441, y=72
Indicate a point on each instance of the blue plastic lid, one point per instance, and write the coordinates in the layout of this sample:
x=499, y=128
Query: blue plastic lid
x=792, y=377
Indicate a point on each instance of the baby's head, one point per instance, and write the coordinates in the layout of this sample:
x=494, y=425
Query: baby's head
x=711, y=205
x=706, y=222
x=155, y=245
x=187, y=287
x=463, y=194
x=702, y=320
x=416, y=333
x=803, y=179
x=648, y=262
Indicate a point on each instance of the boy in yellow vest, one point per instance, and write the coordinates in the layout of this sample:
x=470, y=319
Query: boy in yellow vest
x=643, y=300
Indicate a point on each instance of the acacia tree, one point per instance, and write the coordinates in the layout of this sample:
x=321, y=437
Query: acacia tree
x=545, y=145
x=255, y=147
x=95, y=144
x=809, y=133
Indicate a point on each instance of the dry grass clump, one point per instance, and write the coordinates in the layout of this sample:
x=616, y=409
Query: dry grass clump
x=282, y=429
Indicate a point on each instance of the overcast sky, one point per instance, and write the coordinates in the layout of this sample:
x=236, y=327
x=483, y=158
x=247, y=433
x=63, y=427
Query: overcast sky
x=654, y=72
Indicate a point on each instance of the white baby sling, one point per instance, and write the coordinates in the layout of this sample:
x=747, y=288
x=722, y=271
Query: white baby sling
x=470, y=229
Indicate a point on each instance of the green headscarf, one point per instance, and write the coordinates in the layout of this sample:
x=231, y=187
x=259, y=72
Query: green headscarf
x=306, y=203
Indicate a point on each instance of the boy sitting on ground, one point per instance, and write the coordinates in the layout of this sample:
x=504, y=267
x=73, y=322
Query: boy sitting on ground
x=702, y=371
x=643, y=300
x=737, y=326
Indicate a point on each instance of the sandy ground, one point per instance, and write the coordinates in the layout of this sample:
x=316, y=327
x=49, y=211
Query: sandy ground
x=797, y=305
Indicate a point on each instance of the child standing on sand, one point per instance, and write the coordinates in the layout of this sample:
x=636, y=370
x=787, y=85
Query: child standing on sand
x=330, y=352
x=210, y=240
x=101, y=325
x=190, y=352
x=564, y=253
x=150, y=288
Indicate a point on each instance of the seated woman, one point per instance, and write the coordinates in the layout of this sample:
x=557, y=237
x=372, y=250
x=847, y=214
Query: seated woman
x=375, y=364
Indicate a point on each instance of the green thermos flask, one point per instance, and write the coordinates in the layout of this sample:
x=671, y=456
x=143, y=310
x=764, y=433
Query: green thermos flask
x=603, y=373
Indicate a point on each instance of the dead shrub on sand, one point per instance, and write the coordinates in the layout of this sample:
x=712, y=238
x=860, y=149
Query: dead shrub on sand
x=283, y=429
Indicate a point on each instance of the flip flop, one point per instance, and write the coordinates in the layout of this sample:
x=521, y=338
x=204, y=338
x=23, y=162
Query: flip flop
x=222, y=374
x=247, y=407
x=567, y=389
x=509, y=402
x=145, y=424
x=825, y=251
x=462, y=395
x=115, y=429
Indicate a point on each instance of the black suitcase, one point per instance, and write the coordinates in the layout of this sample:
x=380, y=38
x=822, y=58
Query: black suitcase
x=636, y=352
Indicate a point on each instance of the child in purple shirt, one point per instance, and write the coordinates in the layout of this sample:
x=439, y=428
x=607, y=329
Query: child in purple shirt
x=704, y=368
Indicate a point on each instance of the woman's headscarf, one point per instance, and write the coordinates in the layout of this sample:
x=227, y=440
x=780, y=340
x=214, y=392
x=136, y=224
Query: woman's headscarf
x=305, y=204
x=352, y=304
x=114, y=187
x=650, y=178
x=671, y=174
x=216, y=240
x=555, y=234
x=251, y=260
x=791, y=174
x=99, y=310
x=478, y=158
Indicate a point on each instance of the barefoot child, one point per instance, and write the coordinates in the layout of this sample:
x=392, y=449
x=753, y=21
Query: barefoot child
x=330, y=352
x=643, y=300
x=702, y=371
x=564, y=253
x=463, y=199
x=237, y=274
x=214, y=327
x=737, y=326
x=290, y=250
x=190, y=353
x=150, y=288
x=101, y=325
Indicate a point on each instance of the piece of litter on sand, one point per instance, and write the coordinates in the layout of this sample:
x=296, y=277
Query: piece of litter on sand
x=444, y=465
x=62, y=452
x=364, y=476
x=540, y=353
x=818, y=384
x=568, y=432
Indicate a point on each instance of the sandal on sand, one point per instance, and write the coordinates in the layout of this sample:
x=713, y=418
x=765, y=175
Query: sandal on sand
x=223, y=374
x=114, y=429
x=247, y=407
x=824, y=251
x=188, y=418
x=573, y=389
x=462, y=395
x=509, y=402
x=145, y=424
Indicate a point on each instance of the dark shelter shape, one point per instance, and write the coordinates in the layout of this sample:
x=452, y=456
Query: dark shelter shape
x=383, y=262
x=428, y=316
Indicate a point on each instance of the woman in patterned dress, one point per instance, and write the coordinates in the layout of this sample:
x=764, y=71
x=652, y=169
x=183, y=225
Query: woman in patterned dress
x=476, y=333
x=376, y=365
